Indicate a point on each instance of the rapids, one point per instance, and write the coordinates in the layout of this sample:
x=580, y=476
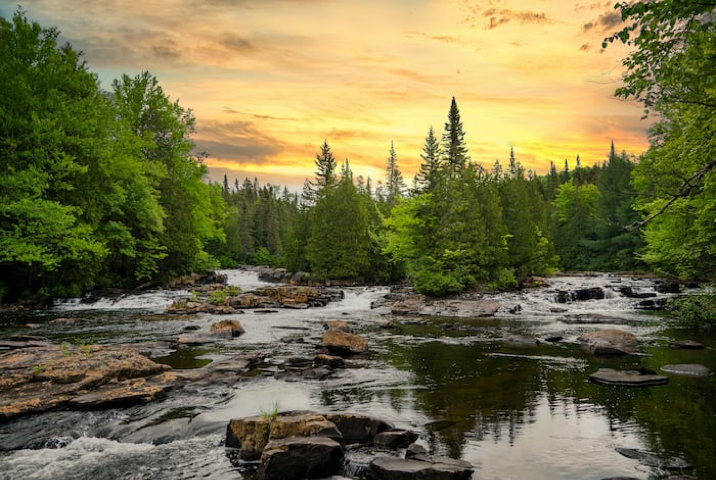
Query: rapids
x=514, y=412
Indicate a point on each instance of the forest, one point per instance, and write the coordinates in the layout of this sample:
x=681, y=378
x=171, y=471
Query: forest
x=104, y=188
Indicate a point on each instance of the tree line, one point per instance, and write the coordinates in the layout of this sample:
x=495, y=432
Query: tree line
x=102, y=188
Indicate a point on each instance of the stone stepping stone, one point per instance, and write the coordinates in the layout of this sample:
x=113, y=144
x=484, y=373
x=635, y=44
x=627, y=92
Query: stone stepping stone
x=651, y=460
x=420, y=467
x=686, y=345
x=627, y=378
x=687, y=369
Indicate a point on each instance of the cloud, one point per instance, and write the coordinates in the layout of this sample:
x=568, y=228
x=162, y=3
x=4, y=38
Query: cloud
x=593, y=6
x=236, y=42
x=585, y=47
x=166, y=52
x=500, y=17
x=605, y=23
x=239, y=141
x=437, y=38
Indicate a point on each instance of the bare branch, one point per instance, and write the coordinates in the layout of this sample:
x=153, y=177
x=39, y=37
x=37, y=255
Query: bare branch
x=684, y=190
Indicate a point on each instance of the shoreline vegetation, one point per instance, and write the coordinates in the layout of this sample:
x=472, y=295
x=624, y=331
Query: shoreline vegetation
x=103, y=189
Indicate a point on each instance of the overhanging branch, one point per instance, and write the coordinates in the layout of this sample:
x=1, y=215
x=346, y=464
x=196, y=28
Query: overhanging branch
x=684, y=190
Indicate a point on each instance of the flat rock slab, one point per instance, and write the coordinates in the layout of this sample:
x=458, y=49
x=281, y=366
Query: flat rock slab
x=43, y=378
x=687, y=369
x=651, y=460
x=341, y=342
x=686, y=345
x=610, y=341
x=420, y=467
x=627, y=378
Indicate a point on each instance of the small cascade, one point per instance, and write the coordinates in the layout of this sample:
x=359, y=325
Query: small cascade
x=246, y=280
x=155, y=301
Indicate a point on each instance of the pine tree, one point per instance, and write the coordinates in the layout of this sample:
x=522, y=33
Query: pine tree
x=394, y=184
x=454, y=148
x=425, y=178
x=325, y=175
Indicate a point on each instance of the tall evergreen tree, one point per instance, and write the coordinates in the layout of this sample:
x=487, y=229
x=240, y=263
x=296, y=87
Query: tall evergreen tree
x=395, y=186
x=325, y=175
x=454, y=148
x=426, y=176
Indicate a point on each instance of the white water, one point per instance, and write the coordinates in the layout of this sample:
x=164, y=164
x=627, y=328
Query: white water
x=244, y=279
x=155, y=301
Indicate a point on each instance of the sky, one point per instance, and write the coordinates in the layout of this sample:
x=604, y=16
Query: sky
x=270, y=80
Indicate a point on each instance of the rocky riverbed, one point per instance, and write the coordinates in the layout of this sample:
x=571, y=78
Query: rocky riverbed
x=501, y=392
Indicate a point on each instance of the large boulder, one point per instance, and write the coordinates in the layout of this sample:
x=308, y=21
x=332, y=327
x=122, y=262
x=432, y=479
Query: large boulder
x=627, y=378
x=304, y=425
x=420, y=467
x=342, y=342
x=300, y=457
x=395, y=439
x=227, y=328
x=609, y=342
x=249, y=434
x=357, y=428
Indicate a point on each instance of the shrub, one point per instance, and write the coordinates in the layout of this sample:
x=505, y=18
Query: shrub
x=503, y=279
x=695, y=310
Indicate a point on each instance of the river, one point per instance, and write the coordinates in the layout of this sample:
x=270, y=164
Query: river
x=514, y=412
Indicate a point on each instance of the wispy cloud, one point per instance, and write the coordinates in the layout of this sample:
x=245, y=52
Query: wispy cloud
x=604, y=23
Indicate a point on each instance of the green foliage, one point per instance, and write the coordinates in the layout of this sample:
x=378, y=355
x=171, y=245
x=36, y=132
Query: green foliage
x=695, y=310
x=431, y=278
x=218, y=297
x=503, y=279
x=262, y=256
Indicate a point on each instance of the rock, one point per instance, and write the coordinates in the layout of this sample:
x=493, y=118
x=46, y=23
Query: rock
x=191, y=328
x=686, y=345
x=651, y=460
x=299, y=458
x=687, y=369
x=339, y=325
x=415, y=449
x=668, y=287
x=272, y=275
x=185, y=340
x=304, y=425
x=609, y=342
x=520, y=341
x=43, y=378
x=227, y=328
x=293, y=339
x=330, y=361
x=342, y=342
x=249, y=434
x=357, y=428
x=387, y=324
x=419, y=467
x=628, y=378
x=658, y=304
x=554, y=339
x=414, y=304
x=582, y=294
x=395, y=439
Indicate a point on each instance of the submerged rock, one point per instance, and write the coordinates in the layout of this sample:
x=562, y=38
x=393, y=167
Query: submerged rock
x=358, y=428
x=687, y=369
x=609, y=342
x=686, y=345
x=419, y=467
x=651, y=460
x=520, y=341
x=627, y=378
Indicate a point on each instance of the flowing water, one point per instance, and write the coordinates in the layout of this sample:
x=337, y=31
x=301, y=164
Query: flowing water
x=515, y=412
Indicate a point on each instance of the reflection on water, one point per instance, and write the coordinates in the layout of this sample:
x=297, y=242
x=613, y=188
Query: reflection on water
x=514, y=412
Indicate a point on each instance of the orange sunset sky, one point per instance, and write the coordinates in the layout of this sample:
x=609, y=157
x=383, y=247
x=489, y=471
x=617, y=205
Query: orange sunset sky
x=269, y=80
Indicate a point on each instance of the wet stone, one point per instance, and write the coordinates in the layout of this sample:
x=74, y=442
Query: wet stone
x=651, y=460
x=627, y=378
x=686, y=345
x=687, y=370
x=419, y=467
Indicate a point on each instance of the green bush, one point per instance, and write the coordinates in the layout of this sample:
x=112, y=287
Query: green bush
x=695, y=310
x=503, y=279
x=436, y=283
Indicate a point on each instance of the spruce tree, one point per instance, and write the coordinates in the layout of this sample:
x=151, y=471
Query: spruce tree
x=425, y=178
x=394, y=183
x=325, y=176
x=454, y=148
